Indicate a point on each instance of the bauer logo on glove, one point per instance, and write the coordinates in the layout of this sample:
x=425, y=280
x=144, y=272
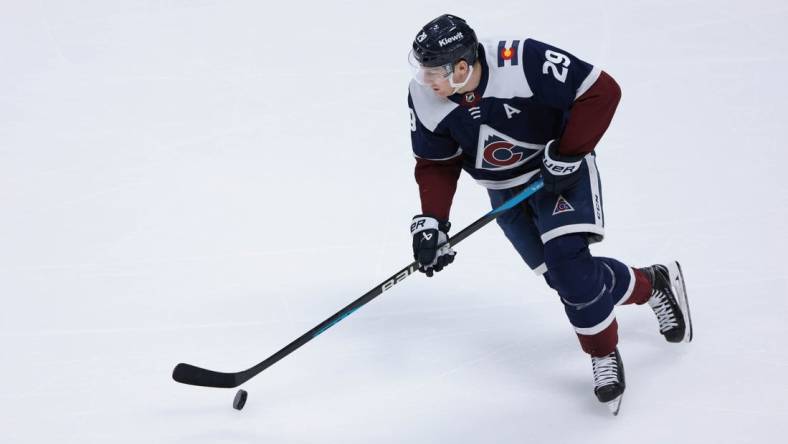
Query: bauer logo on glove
x=560, y=172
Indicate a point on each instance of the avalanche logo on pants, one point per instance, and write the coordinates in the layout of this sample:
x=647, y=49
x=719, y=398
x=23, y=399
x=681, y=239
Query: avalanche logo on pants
x=497, y=151
x=562, y=206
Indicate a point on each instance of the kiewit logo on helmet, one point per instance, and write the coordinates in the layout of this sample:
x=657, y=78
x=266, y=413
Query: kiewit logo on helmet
x=447, y=40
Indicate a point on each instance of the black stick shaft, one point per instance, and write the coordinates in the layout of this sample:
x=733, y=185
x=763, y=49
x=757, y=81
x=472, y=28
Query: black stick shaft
x=189, y=374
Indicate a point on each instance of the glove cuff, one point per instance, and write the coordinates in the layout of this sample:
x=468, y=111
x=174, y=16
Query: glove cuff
x=557, y=164
x=423, y=222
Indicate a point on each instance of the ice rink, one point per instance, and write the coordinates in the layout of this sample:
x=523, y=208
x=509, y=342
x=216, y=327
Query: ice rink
x=204, y=181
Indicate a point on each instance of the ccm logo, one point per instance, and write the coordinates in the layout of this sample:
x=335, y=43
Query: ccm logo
x=398, y=278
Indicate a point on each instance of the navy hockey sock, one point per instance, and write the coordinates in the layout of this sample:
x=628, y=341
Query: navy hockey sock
x=588, y=287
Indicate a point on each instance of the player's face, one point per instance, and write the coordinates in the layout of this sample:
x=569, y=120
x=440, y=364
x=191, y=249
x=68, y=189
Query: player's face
x=433, y=77
x=428, y=75
x=439, y=82
x=457, y=74
x=437, y=78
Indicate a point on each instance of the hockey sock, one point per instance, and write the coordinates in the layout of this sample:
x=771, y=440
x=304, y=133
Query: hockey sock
x=631, y=286
x=602, y=343
x=642, y=291
x=589, y=288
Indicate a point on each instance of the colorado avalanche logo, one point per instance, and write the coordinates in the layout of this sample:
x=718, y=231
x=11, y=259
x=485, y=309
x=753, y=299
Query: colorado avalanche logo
x=497, y=151
x=501, y=153
x=562, y=206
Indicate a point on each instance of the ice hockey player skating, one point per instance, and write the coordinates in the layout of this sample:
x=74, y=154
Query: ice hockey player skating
x=505, y=111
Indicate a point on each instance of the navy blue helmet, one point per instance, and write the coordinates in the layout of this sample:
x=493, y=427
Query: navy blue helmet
x=445, y=40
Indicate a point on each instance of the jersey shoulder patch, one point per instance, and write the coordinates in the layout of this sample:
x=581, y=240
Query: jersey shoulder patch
x=506, y=78
x=430, y=109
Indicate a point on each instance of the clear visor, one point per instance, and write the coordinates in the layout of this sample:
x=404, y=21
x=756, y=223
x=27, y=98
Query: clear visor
x=428, y=75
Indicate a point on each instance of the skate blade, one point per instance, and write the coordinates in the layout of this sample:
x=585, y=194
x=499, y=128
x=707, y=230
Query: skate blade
x=615, y=405
x=680, y=289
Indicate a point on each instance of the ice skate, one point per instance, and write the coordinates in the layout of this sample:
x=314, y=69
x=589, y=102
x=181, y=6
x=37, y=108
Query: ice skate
x=669, y=301
x=609, y=381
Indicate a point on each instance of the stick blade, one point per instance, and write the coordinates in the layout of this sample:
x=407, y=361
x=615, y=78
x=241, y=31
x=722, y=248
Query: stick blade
x=193, y=375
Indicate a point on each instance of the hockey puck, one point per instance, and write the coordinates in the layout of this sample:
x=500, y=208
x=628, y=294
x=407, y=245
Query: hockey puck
x=240, y=399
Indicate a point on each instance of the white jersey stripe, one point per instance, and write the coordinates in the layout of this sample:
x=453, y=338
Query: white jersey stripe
x=588, y=82
x=598, y=327
x=508, y=183
x=509, y=80
x=459, y=152
x=630, y=288
x=596, y=195
x=429, y=108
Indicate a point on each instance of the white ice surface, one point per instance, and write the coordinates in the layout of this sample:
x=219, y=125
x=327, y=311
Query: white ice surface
x=203, y=181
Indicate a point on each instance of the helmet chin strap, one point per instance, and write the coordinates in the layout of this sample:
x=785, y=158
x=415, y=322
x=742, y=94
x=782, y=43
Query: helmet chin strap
x=459, y=86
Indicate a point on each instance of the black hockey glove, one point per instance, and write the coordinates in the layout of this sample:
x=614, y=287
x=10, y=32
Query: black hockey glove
x=431, y=244
x=559, y=172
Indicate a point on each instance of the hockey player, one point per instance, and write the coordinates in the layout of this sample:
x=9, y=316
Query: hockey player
x=507, y=112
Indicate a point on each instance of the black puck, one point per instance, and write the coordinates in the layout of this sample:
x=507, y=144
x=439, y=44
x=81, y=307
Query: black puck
x=240, y=399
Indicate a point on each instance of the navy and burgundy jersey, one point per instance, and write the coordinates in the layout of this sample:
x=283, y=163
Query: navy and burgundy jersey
x=499, y=131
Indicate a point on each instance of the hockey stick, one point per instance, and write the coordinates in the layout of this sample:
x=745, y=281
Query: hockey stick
x=190, y=374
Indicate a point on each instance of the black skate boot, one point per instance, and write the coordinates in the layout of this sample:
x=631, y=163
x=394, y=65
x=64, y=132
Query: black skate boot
x=669, y=301
x=609, y=381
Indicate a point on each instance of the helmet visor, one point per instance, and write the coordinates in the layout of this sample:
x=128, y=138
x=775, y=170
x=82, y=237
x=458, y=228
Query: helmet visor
x=426, y=75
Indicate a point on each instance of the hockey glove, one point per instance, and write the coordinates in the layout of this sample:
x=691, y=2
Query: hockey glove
x=559, y=172
x=431, y=244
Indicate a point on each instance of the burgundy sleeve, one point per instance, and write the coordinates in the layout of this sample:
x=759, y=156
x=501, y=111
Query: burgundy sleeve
x=590, y=116
x=437, y=181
